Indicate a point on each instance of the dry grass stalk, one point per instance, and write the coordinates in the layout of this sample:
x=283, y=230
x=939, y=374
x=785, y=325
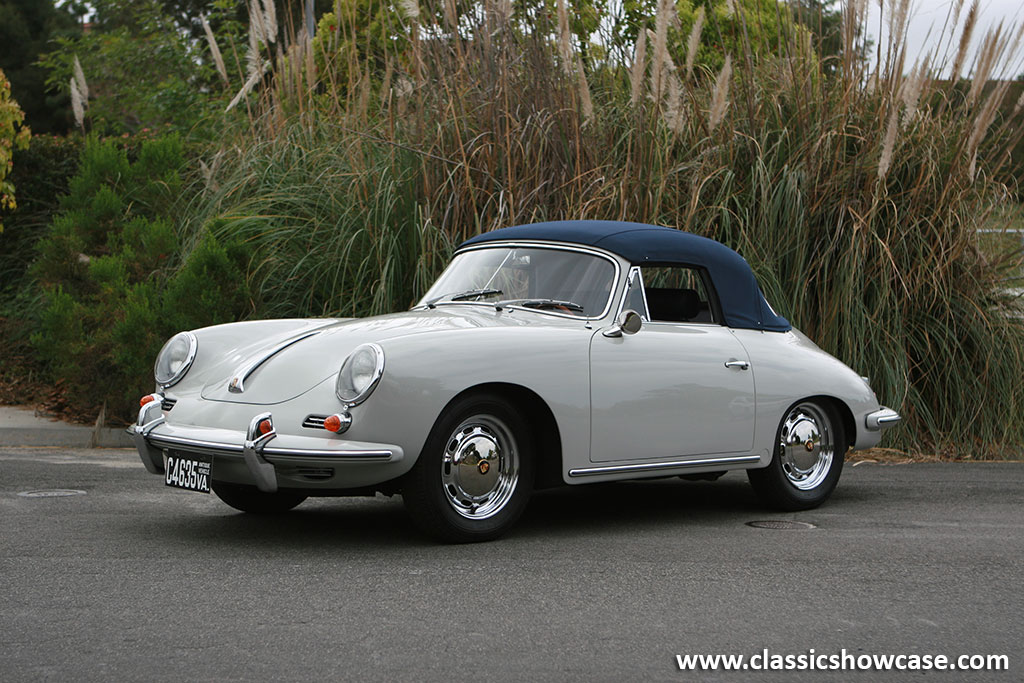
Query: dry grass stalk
x=982, y=122
x=451, y=18
x=564, y=39
x=254, y=78
x=991, y=48
x=965, y=42
x=77, y=104
x=889, y=141
x=912, y=88
x=675, y=112
x=661, y=21
x=385, y=87
x=503, y=11
x=256, y=22
x=307, y=50
x=898, y=23
x=269, y=21
x=83, y=87
x=218, y=59
x=636, y=72
x=253, y=58
x=720, y=95
x=411, y=8
x=693, y=42
x=586, y=104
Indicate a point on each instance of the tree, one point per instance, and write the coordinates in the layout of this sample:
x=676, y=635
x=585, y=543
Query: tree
x=730, y=26
x=13, y=135
x=141, y=70
x=824, y=19
x=26, y=27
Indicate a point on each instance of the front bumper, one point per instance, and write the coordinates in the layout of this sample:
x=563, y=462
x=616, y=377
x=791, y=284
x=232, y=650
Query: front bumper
x=269, y=460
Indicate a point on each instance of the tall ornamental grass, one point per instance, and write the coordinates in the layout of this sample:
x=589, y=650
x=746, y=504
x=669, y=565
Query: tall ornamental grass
x=853, y=186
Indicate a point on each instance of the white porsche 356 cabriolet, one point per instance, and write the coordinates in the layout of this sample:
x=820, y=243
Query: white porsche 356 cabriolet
x=545, y=354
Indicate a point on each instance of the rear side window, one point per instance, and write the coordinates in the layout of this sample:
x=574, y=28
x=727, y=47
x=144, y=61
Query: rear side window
x=675, y=294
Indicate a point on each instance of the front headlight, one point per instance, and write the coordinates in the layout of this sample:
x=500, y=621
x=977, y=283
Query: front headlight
x=175, y=359
x=360, y=374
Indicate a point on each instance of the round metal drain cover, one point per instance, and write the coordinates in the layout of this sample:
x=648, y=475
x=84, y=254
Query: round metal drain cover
x=780, y=524
x=51, y=493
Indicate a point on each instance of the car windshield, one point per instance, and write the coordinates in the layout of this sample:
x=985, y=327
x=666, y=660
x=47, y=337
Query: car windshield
x=556, y=280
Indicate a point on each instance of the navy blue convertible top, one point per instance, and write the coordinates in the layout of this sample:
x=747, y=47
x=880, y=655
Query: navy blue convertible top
x=743, y=304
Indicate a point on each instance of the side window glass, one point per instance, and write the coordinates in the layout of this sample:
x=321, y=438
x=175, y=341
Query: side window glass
x=635, y=295
x=677, y=294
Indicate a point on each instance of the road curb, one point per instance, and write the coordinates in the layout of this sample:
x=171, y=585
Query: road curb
x=21, y=426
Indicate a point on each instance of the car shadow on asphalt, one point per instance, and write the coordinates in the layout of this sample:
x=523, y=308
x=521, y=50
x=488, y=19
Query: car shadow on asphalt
x=578, y=511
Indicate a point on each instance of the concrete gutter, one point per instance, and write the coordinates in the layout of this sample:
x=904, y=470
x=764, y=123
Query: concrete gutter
x=22, y=426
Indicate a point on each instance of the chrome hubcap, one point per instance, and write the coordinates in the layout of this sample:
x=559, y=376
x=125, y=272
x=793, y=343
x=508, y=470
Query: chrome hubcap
x=805, y=446
x=480, y=467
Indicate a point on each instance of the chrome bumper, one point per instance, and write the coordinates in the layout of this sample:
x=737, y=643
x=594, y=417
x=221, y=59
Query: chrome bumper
x=152, y=435
x=883, y=418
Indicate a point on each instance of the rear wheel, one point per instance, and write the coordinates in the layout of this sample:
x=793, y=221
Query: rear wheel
x=474, y=477
x=808, y=460
x=251, y=499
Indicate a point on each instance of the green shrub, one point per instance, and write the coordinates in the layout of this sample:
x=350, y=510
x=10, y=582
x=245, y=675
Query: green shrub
x=118, y=281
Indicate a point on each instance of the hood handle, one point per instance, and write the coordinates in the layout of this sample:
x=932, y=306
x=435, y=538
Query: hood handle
x=237, y=383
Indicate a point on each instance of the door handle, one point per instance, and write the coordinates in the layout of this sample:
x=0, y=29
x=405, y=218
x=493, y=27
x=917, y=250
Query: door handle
x=741, y=364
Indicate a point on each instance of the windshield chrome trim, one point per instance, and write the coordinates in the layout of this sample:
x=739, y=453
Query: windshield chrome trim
x=533, y=244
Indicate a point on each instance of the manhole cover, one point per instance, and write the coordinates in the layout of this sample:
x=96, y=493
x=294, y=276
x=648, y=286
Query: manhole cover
x=51, y=493
x=780, y=524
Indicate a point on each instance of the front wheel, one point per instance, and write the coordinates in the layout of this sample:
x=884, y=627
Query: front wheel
x=475, y=474
x=809, y=452
x=251, y=499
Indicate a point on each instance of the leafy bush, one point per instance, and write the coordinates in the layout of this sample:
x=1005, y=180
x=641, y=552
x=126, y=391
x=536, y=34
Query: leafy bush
x=115, y=288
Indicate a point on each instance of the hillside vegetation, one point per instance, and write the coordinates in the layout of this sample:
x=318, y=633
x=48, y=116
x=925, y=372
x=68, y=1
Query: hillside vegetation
x=348, y=167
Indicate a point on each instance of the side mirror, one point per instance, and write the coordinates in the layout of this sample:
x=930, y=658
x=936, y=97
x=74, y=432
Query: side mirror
x=628, y=322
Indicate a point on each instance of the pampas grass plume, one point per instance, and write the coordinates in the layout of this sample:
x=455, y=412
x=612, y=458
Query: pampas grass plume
x=720, y=95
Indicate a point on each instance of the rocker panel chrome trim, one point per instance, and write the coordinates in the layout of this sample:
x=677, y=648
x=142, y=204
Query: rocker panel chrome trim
x=667, y=465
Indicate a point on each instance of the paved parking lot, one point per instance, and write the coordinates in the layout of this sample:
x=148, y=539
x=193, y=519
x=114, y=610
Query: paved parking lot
x=135, y=581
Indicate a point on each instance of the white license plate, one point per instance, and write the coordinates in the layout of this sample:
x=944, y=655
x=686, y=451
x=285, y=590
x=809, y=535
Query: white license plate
x=189, y=472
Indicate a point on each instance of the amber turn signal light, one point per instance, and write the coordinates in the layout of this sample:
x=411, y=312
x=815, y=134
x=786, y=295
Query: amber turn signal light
x=265, y=426
x=333, y=423
x=148, y=398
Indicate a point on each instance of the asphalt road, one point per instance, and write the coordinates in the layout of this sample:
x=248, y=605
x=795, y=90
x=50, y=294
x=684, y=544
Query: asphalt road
x=135, y=581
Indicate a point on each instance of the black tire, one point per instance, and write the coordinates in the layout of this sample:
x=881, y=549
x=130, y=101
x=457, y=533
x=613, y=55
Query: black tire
x=250, y=499
x=475, y=474
x=802, y=474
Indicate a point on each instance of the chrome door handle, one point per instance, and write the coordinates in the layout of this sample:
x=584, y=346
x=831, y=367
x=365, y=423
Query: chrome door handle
x=741, y=364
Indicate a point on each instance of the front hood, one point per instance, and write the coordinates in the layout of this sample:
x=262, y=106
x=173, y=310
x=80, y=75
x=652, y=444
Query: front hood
x=289, y=365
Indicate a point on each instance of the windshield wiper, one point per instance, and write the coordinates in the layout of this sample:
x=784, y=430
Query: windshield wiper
x=541, y=303
x=462, y=296
x=470, y=293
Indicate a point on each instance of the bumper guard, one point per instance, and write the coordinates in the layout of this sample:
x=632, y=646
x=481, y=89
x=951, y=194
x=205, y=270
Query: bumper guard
x=883, y=418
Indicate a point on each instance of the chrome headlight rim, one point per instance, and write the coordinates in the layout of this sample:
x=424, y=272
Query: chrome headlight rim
x=378, y=372
x=190, y=356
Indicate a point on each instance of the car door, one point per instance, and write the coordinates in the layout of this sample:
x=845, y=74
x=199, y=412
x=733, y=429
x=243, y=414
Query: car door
x=681, y=386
